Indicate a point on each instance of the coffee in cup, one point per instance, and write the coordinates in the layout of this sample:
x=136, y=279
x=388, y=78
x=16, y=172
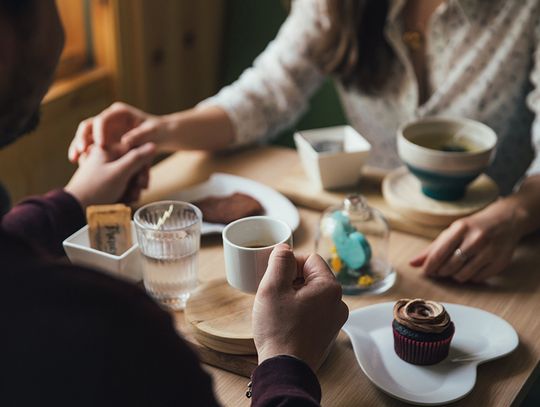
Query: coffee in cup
x=247, y=244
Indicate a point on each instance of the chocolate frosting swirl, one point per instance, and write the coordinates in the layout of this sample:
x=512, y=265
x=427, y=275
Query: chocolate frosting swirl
x=420, y=315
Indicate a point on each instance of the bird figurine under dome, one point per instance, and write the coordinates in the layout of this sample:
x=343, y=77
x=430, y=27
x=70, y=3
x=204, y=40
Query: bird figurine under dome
x=353, y=239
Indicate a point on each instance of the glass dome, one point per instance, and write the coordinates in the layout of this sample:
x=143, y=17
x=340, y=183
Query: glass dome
x=353, y=239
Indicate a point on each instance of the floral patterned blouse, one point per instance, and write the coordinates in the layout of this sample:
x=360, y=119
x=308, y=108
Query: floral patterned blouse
x=483, y=59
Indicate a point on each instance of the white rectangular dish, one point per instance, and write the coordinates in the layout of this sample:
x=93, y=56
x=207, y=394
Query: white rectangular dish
x=126, y=266
x=332, y=169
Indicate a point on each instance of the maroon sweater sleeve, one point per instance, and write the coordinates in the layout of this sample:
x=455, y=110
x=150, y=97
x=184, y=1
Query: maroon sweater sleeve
x=45, y=221
x=285, y=381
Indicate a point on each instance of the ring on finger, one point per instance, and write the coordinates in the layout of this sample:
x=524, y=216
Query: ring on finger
x=461, y=255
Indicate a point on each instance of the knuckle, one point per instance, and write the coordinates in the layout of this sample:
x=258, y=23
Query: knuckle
x=460, y=225
x=344, y=311
x=334, y=291
x=118, y=106
x=84, y=124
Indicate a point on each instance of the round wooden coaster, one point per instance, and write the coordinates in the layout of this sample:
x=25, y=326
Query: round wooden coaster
x=221, y=318
x=402, y=191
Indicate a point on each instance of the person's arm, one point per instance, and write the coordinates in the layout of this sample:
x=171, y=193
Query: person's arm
x=482, y=245
x=294, y=324
x=267, y=97
x=46, y=221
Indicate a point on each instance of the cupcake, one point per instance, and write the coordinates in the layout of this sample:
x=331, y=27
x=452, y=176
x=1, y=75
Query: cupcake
x=422, y=331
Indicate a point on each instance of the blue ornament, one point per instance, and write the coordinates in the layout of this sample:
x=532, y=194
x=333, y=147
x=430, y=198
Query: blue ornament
x=351, y=245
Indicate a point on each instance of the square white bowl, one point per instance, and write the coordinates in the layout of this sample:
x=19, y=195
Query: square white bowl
x=330, y=170
x=126, y=266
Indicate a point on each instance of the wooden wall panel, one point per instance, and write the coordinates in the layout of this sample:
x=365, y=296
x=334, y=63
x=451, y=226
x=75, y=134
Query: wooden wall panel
x=38, y=162
x=171, y=51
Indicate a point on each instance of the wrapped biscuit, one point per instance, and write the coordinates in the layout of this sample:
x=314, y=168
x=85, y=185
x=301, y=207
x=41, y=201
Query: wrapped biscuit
x=109, y=228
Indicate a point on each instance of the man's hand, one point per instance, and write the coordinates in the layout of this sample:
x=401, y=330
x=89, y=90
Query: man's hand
x=106, y=177
x=300, y=320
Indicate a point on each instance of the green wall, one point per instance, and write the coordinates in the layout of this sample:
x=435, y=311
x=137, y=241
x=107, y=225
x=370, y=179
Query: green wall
x=250, y=26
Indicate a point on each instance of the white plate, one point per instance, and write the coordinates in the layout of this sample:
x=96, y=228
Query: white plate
x=480, y=336
x=219, y=184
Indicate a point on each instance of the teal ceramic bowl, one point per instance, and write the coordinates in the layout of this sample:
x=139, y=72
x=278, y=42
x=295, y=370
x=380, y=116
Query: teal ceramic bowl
x=446, y=154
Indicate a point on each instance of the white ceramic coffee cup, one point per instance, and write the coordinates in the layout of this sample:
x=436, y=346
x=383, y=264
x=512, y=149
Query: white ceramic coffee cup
x=245, y=265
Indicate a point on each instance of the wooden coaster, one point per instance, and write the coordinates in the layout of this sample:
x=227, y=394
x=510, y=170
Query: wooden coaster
x=402, y=191
x=221, y=318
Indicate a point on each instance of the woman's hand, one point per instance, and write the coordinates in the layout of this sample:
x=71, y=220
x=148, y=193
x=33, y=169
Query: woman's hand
x=475, y=247
x=297, y=320
x=106, y=176
x=123, y=126
x=118, y=124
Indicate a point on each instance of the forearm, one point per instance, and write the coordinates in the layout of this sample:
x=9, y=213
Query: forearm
x=45, y=221
x=205, y=128
x=525, y=205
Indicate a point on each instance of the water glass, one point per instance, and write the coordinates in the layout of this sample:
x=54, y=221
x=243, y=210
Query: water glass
x=169, y=235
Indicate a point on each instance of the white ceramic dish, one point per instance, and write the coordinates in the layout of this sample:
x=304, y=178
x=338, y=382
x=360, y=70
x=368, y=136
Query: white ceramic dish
x=332, y=169
x=126, y=266
x=480, y=336
x=274, y=204
x=443, y=162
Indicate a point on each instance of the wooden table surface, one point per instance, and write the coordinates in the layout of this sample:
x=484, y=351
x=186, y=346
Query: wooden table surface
x=515, y=295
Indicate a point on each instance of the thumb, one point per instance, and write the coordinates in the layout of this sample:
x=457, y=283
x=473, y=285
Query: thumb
x=282, y=268
x=135, y=159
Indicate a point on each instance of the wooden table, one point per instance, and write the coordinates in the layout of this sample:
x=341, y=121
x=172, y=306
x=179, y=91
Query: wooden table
x=515, y=296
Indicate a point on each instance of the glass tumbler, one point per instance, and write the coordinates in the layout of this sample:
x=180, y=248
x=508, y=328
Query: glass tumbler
x=169, y=236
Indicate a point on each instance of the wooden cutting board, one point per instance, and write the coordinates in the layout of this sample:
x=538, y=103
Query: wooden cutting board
x=220, y=318
x=297, y=187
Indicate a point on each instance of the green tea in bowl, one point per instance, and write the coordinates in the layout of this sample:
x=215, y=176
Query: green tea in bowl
x=450, y=143
x=445, y=154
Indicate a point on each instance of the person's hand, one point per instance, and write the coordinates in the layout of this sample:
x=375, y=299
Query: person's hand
x=107, y=176
x=299, y=320
x=476, y=247
x=119, y=123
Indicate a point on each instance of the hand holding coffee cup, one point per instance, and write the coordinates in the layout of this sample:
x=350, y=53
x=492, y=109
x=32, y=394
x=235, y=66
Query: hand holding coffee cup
x=297, y=320
x=247, y=244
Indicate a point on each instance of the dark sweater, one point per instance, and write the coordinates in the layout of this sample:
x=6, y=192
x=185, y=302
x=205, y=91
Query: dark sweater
x=74, y=336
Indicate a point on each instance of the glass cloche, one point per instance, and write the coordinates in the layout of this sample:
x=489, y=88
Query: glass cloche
x=353, y=239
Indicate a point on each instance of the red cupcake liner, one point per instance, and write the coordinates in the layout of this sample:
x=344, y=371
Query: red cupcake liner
x=420, y=352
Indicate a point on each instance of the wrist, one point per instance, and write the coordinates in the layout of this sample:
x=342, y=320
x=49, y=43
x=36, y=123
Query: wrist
x=78, y=194
x=172, y=128
x=519, y=214
x=265, y=354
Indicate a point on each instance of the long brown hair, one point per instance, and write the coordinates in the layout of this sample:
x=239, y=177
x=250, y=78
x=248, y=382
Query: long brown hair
x=354, y=48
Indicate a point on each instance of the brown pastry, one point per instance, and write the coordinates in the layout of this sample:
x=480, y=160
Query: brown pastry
x=226, y=209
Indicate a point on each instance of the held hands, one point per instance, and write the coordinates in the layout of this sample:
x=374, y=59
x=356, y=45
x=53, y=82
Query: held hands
x=108, y=176
x=298, y=320
x=476, y=247
x=119, y=126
